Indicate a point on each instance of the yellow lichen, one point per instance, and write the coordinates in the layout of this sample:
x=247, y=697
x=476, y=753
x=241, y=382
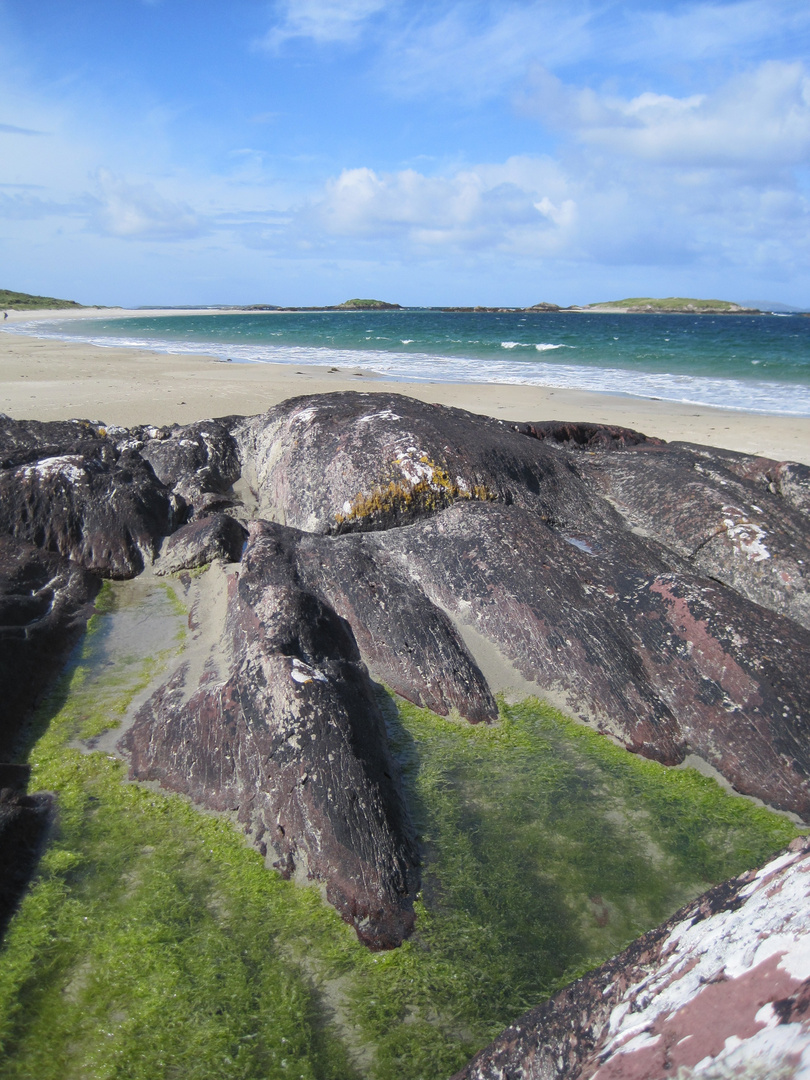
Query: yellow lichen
x=400, y=496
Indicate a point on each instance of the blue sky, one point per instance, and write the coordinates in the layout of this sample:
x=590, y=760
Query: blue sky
x=306, y=151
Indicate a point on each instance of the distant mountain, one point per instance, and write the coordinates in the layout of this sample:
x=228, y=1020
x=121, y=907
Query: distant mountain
x=20, y=301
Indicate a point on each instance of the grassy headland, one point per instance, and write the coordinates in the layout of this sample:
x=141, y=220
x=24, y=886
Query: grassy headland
x=20, y=301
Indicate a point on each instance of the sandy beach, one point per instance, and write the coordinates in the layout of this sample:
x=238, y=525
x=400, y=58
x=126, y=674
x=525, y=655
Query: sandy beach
x=48, y=379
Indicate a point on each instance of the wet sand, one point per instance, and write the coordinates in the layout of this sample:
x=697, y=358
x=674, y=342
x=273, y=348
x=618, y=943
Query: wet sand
x=48, y=379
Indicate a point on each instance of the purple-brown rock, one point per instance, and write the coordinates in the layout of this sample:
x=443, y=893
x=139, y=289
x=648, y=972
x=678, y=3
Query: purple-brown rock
x=217, y=536
x=281, y=727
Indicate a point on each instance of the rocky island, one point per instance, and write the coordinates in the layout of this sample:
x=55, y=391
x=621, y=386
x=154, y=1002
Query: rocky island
x=655, y=591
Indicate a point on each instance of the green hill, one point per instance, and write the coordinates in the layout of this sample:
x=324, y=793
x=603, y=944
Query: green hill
x=20, y=301
x=369, y=305
x=683, y=304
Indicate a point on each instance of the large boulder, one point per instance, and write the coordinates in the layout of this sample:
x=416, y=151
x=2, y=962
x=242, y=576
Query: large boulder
x=279, y=725
x=351, y=462
x=66, y=487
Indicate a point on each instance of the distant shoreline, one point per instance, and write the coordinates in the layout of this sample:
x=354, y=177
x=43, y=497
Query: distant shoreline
x=93, y=312
x=49, y=378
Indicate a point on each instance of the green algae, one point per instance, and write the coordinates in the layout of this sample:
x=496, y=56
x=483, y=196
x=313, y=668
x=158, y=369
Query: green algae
x=154, y=943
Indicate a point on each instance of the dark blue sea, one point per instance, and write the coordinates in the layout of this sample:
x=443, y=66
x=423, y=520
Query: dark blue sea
x=759, y=363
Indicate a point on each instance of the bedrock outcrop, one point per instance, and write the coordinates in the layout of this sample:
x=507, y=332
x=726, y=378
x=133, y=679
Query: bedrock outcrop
x=657, y=591
x=721, y=989
x=513, y=531
x=279, y=725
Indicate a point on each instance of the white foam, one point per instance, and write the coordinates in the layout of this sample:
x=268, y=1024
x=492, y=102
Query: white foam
x=773, y=398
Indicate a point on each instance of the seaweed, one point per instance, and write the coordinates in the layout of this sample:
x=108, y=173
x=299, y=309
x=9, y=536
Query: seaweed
x=154, y=942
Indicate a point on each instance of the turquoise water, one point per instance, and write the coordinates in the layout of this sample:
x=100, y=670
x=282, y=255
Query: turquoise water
x=758, y=363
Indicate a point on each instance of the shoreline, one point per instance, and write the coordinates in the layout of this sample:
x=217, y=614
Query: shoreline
x=53, y=379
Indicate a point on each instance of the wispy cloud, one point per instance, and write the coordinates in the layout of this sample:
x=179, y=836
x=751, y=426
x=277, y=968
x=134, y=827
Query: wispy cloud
x=321, y=21
x=140, y=212
x=12, y=129
x=757, y=119
x=478, y=50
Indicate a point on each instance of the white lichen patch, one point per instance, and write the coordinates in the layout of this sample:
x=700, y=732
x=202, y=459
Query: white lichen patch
x=304, y=673
x=415, y=466
x=384, y=414
x=746, y=536
x=69, y=468
x=733, y=961
x=304, y=416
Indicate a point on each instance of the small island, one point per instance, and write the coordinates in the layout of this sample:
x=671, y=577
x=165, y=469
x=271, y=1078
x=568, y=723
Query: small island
x=368, y=305
x=672, y=305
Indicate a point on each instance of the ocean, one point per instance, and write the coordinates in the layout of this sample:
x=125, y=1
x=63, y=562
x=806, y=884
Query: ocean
x=756, y=363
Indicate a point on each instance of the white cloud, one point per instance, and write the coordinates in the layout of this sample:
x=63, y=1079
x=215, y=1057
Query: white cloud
x=755, y=120
x=599, y=211
x=140, y=212
x=322, y=21
x=517, y=205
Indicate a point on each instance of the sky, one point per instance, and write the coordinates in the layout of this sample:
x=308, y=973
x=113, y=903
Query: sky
x=308, y=151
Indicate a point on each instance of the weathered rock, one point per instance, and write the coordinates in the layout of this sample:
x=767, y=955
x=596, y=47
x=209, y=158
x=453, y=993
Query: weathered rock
x=336, y=463
x=217, y=536
x=45, y=602
x=717, y=510
x=409, y=643
x=199, y=462
x=281, y=727
x=91, y=502
x=724, y=985
x=669, y=663
x=23, y=441
x=586, y=436
x=515, y=536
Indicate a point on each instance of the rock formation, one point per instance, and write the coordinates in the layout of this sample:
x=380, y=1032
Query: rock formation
x=655, y=590
x=507, y=528
x=280, y=726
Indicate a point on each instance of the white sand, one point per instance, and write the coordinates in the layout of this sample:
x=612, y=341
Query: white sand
x=48, y=379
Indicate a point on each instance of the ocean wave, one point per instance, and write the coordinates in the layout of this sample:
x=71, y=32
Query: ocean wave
x=774, y=398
